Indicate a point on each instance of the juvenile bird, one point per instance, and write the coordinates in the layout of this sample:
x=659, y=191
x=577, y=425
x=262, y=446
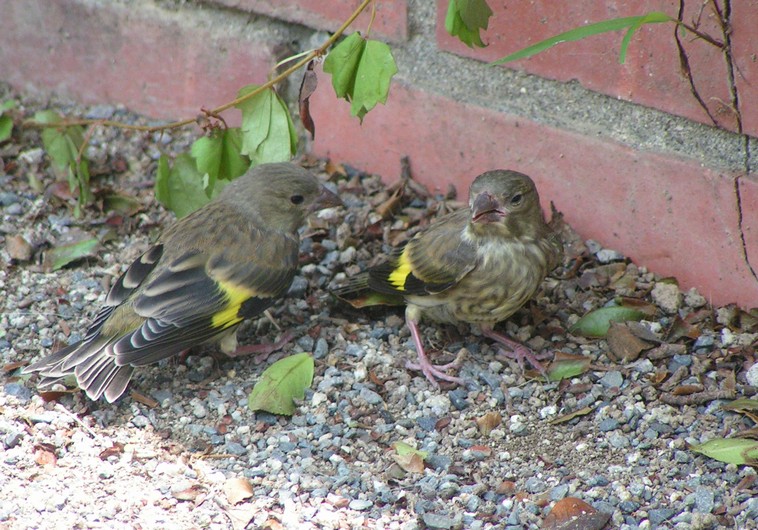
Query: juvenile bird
x=223, y=263
x=477, y=265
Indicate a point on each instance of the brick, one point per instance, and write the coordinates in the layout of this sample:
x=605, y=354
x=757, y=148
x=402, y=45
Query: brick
x=672, y=215
x=651, y=75
x=158, y=63
x=390, y=22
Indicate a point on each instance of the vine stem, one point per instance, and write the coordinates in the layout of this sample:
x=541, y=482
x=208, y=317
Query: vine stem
x=318, y=52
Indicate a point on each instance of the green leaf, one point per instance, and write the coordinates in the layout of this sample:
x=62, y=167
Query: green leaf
x=162, y=176
x=729, y=450
x=596, y=323
x=615, y=24
x=58, y=257
x=361, y=72
x=62, y=146
x=566, y=365
x=404, y=449
x=465, y=19
x=219, y=156
x=282, y=382
x=268, y=133
x=181, y=188
x=342, y=64
x=6, y=128
x=372, y=82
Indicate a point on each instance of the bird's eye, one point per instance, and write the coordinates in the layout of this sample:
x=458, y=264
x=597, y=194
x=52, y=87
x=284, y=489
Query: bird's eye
x=516, y=199
x=297, y=199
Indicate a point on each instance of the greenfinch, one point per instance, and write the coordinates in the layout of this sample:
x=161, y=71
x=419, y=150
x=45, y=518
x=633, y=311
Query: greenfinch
x=477, y=265
x=227, y=261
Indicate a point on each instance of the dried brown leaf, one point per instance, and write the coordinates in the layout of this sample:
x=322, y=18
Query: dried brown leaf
x=572, y=513
x=571, y=415
x=44, y=455
x=489, y=422
x=189, y=494
x=307, y=87
x=237, y=489
x=18, y=248
x=116, y=449
x=623, y=342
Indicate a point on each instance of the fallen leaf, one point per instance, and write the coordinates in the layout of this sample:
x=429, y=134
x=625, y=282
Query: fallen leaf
x=388, y=207
x=566, y=365
x=58, y=257
x=729, y=450
x=623, y=343
x=571, y=513
x=237, y=489
x=142, y=398
x=571, y=415
x=281, y=383
x=189, y=494
x=116, y=449
x=489, y=422
x=686, y=390
x=44, y=455
x=333, y=168
x=596, y=323
x=18, y=248
x=506, y=487
x=12, y=367
x=409, y=458
x=681, y=328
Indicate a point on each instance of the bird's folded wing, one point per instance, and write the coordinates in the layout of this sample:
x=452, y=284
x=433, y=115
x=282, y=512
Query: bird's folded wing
x=196, y=296
x=432, y=262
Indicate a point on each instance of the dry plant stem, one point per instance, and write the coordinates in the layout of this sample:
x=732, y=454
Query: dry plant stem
x=318, y=52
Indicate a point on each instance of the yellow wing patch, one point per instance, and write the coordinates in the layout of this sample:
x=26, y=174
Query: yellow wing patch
x=402, y=269
x=236, y=295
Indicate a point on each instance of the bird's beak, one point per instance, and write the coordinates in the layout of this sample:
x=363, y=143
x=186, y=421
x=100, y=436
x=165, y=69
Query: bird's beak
x=326, y=199
x=486, y=209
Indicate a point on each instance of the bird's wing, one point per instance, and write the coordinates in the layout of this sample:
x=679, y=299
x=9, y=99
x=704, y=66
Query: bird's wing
x=197, y=296
x=432, y=262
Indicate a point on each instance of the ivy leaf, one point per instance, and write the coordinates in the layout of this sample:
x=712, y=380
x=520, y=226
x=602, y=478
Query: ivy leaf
x=282, y=382
x=219, y=156
x=465, y=19
x=597, y=323
x=62, y=146
x=181, y=188
x=361, y=72
x=729, y=450
x=268, y=133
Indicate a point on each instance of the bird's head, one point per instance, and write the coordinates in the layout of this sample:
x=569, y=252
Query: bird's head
x=280, y=195
x=505, y=202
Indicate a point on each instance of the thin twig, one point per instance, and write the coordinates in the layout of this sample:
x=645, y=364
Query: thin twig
x=318, y=52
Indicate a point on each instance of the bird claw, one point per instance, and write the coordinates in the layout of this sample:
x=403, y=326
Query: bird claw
x=520, y=352
x=435, y=372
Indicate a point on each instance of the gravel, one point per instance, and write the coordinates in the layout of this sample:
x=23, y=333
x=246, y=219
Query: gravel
x=72, y=463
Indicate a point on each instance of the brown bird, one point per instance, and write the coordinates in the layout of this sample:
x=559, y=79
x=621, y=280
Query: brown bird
x=226, y=262
x=477, y=265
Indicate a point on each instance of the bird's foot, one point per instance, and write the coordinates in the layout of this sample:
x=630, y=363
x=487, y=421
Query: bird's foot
x=519, y=352
x=264, y=349
x=516, y=350
x=437, y=372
